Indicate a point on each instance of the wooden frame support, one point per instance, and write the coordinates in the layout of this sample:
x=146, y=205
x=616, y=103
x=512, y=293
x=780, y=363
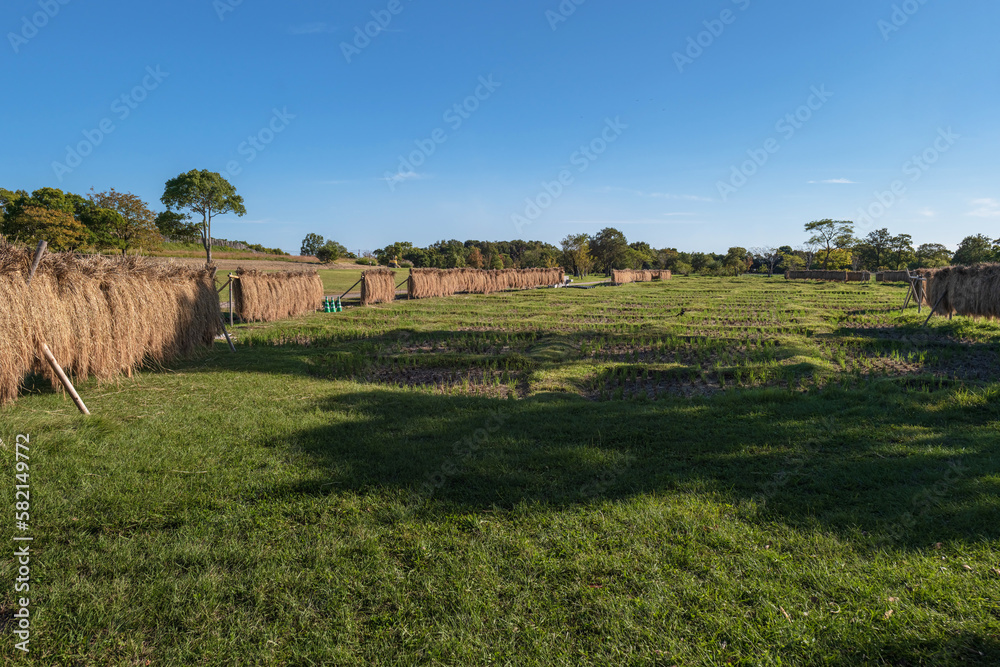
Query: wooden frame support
x=45, y=351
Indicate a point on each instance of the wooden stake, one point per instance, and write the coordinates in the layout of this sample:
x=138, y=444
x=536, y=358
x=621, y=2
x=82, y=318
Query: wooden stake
x=228, y=339
x=42, y=245
x=349, y=289
x=230, y=299
x=57, y=369
x=935, y=308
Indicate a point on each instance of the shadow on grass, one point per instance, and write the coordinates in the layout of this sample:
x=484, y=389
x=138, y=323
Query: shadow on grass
x=879, y=464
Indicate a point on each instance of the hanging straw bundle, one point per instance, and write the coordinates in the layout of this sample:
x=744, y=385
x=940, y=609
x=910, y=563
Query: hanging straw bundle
x=892, y=277
x=100, y=316
x=427, y=283
x=268, y=297
x=625, y=276
x=973, y=291
x=378, y=286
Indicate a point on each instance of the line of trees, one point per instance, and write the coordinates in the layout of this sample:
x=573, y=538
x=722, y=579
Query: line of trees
x=833, y=245
x=109, y=220
x=121, y=221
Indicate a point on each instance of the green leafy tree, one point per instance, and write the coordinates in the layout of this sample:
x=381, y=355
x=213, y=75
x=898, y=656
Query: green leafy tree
x=133, y=226
x=60, y=229
x=900, y=251
x=875, y=249
x=736, y=261
x=330, y=252
x=576, y=257
x=206, y=193
x=177, y=226
x=974, y=250
x=830, y=235
x=931, y=256
x=610, y=249
x=311, y=245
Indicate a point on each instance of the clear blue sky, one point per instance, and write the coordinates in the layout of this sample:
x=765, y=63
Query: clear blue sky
x=890, y=89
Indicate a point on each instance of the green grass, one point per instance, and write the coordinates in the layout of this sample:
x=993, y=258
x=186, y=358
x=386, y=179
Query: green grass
x=699, y=472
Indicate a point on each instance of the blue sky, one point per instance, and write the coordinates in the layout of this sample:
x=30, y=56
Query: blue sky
x=691, y=125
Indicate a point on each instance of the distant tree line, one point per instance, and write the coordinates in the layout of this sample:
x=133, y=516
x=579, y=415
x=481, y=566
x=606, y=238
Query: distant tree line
x=121, y=221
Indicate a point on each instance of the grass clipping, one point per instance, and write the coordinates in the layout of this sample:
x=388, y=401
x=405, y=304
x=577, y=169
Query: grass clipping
x=427, y=283
x=378, y=286
x=972, y=291
x=100, y=316
x=625, y=276
x=269, y=297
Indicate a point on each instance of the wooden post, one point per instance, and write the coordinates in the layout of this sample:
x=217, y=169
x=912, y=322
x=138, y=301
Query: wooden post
x=935, y=308
x=228, y=339
x=42, y=245
x=230, y=299
x=46, y=352
x=349, y=289
x=57, y=369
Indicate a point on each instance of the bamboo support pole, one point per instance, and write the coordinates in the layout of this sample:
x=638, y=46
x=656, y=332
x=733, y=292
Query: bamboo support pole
x=46, y=352
x=350, y=288
x=228, y=339
x=230, y=299
x=940, y=299
x=57, y=369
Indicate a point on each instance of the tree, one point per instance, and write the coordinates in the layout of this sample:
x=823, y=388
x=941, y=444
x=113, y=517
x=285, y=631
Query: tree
x=610, y=249
x=311, y=245
x=206, y=193
x=768, y=256
x=330, y=252
x=793, y=261
x=646, y=255
x=391, y=253
x=974, y=250
x=60, y=229
x=475, y=258
x=736, y=261
x=830, y=235
x=576, y=257
x=931, y=256
x=875, y=248
x=175, y=226
x=134, y=225
x=900, y=250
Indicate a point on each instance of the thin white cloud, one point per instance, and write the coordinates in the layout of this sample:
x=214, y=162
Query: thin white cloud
x=985, y=208
x=310, y=28
x=404, y=176
x=927, y=213
x=835, y=181
x=653, y=195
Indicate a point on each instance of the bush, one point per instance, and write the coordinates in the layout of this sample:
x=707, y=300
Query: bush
x=366, y=261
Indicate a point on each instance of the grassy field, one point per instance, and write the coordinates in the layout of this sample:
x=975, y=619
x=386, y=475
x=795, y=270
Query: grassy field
x=698, y=472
